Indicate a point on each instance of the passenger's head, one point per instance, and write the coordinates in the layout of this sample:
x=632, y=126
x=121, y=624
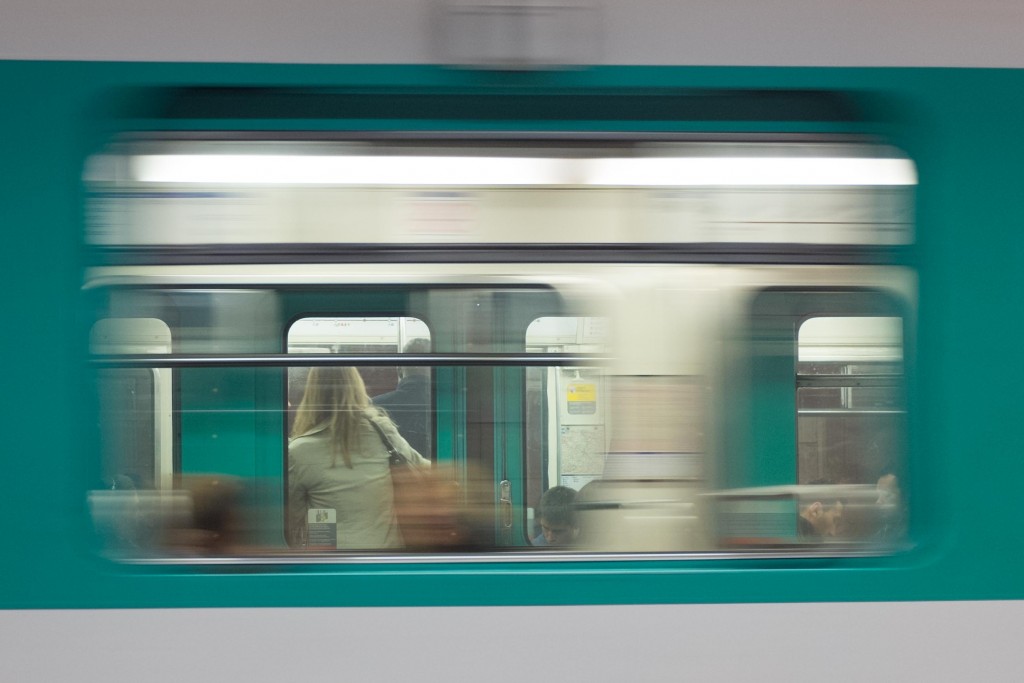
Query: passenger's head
x=335, y=397
x=558, y=516
x=419, y=345
x=329, y=390
x=824, y=516
x=888, y=489
x=823, y=512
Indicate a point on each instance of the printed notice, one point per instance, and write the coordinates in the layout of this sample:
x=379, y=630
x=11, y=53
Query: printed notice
x=322, y=524
x=582, y=398
x=581, y=450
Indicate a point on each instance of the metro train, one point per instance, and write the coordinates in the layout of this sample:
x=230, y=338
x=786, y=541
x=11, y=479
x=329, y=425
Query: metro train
x=740, y=311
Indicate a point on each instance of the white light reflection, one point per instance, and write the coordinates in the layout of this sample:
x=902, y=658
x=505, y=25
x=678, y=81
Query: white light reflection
x=521, y=171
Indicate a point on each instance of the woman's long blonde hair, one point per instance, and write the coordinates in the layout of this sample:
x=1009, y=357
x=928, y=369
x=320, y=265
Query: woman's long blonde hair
x=335, y=397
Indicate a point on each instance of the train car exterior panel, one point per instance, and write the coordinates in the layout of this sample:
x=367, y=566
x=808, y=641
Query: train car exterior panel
x=960, y=128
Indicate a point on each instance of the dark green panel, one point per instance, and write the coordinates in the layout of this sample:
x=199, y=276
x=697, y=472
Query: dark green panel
x=217, y=421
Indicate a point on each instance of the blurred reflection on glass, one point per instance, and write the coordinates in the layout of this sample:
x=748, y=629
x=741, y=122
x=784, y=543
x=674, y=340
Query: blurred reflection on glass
x=203, y=515
x=442, y=514
x=213, y=523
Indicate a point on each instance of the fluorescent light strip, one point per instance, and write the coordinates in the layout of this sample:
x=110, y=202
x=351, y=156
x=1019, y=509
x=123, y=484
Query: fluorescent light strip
x=349, y=170
x=738, y=171
x=254, y=169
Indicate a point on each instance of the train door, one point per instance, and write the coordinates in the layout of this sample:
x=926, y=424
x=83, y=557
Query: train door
x=566, y=430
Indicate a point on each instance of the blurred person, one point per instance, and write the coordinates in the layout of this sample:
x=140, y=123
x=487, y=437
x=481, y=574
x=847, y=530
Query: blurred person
x=429, y=514
x=891, y=515
x=409, y=404
x=338, y=461
x=440, y=514
x=209, y=522
x=820, y=519
x=888, y=487
x=558, y=518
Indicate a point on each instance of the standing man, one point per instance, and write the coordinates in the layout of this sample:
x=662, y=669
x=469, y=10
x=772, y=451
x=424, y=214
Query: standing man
x=409, y=404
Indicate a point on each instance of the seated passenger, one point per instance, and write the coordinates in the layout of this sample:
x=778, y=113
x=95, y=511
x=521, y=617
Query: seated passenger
x=557, y=515
x=891, y=512
x=888, y=488
x=820, y=519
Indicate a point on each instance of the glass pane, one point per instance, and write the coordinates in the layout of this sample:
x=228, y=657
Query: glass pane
x=129, y=441
x=625, y=475
x=403, y=392
x=134, y=405
x=852, y=436
x=635, y=446
x=343, y=423
x=856, y=342
x=566, y=435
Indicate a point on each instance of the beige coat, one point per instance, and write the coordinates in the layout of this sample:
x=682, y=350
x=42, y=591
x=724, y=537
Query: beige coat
x=362, y=495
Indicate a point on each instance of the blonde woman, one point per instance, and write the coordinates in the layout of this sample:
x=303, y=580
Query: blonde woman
x=338, y=461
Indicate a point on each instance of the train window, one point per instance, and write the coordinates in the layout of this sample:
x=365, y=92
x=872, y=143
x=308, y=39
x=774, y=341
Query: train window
x=135, y=410
x=834, y=358
x=851, y=418
x=566, y=438
x=617, y=460
x=316, y=398
x=636, y=332
x=135, y=430
x=404, y=392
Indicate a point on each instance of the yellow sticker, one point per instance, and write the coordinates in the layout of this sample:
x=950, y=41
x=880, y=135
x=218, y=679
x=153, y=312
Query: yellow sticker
x=582, y=392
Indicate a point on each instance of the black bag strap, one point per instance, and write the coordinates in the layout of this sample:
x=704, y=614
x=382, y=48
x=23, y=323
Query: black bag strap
x=395, y=458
